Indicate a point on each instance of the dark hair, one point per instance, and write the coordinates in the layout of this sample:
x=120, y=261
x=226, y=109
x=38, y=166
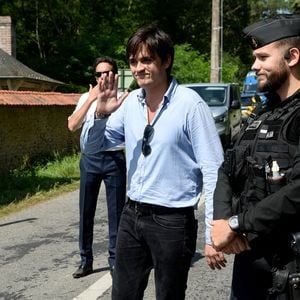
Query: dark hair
x=157, y=42
x=290, y=42
x=108, y=60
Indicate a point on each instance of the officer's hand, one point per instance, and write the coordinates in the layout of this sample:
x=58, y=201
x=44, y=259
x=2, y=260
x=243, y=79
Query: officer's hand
x=237, y=245
x=214, y=259
x=221, y=234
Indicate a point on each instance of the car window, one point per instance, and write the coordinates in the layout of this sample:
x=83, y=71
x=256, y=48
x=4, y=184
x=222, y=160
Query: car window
x=213, y=96
x=246, y=100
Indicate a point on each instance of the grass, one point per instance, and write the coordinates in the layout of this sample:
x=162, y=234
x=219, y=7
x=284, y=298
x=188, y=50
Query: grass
x=27, y=186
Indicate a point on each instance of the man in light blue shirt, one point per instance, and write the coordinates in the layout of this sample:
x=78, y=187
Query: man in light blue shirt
x=173, y=153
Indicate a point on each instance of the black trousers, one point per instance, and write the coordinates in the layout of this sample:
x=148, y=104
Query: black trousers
x=155, y=237
x=251, y=277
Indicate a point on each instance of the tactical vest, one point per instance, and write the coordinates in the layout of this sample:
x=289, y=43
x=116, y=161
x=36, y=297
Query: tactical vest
x=261, y=148
x=259, y=165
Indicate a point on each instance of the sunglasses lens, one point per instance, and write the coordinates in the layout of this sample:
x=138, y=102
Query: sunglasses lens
x=146, y=149
x=148, y=131
x=99, y=74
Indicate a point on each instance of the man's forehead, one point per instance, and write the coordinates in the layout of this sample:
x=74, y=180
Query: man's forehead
x=268, y=49
x=104, y=65
x=142, y=51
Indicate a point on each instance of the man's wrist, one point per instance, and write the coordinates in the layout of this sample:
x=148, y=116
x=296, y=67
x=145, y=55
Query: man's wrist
x=99, y=115
x=233, y=223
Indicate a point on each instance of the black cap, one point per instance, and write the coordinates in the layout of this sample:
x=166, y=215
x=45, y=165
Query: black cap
x=272, y=29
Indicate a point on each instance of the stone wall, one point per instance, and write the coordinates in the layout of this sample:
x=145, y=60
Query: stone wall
x=28, y=133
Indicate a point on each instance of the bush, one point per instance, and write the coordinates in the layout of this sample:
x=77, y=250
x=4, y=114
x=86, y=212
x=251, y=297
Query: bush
x=190, y=66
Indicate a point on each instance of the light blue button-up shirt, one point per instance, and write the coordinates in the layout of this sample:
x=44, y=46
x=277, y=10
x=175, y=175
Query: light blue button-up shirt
x=186, y=149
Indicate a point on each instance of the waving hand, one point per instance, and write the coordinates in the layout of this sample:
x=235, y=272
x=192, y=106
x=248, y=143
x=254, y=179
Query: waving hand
x=107, y=100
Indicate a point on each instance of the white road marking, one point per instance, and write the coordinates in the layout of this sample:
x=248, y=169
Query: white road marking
x=97, y=289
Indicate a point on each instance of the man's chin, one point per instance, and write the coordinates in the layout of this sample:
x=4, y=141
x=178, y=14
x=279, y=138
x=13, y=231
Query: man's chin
x=262, y=87
x=142, y=82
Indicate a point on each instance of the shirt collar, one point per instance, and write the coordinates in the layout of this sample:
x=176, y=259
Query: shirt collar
x=167, y=96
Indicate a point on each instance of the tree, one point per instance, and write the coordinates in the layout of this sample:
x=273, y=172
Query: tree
x=191, y=66
x=61, y=38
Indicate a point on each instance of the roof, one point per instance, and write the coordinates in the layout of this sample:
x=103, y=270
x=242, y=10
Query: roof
x=8, y=97
x=11, y=68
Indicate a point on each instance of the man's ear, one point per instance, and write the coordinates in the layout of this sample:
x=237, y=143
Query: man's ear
x=167, y=62
x=292, y=56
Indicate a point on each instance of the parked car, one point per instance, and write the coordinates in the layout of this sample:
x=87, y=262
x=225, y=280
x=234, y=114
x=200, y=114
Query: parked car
x=224, y=101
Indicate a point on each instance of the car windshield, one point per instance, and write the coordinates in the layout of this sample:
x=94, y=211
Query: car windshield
x=212, y=95
x=246, y=100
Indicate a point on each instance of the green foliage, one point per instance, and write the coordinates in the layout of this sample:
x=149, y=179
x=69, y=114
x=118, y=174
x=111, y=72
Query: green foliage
x=231, y=70
x=262, y=9
x=62, y=38
x=190, y=66
x=23, y=183
x=296, y=6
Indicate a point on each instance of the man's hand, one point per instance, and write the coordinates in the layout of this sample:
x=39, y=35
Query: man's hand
x=93, y=92
x=221, y=234
x=237, y=245
x=214, y=259
x=107, y=100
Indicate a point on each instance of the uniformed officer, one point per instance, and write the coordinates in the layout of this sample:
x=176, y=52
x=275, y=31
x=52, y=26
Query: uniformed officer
x=257, y=197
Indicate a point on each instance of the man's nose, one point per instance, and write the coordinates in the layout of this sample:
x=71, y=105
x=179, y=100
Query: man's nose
x=255, y=66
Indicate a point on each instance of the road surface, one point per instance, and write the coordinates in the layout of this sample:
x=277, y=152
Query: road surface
x=39, y=253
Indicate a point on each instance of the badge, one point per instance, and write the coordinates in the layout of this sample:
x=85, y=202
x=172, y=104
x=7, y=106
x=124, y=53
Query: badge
x=263, y=132
x=254, y=125
x=254, y=42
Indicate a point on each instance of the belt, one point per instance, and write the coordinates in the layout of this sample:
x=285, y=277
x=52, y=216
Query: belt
x=112, y=151
x=148, y=209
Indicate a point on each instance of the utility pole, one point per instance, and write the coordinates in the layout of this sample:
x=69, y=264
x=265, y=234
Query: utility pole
x=215, y=68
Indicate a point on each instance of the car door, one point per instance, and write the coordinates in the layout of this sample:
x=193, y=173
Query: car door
x=235, y=115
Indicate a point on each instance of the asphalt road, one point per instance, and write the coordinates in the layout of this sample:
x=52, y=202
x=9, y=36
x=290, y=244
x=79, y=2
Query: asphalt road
x=39, y=253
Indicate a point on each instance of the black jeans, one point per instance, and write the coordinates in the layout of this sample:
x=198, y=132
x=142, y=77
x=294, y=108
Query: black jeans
x=111, y=168
x=154, y=237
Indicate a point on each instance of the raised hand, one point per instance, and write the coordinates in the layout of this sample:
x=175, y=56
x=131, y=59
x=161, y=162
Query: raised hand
x=107, y=99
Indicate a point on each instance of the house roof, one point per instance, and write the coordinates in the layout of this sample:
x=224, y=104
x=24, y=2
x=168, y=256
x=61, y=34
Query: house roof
x=9, y=97
x=11, y=68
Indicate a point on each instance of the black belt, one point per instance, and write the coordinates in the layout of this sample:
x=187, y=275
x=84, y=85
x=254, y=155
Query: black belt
x=112, y=151
x=147, y=209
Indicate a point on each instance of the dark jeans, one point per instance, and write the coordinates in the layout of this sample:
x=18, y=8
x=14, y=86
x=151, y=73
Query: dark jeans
x=149, y=238
x=109, y=167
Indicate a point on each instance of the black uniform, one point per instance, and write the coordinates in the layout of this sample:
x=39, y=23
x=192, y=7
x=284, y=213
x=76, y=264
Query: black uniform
x=267, y=201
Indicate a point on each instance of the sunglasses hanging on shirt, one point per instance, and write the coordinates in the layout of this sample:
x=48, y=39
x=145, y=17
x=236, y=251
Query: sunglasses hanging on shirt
x=148, y=133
